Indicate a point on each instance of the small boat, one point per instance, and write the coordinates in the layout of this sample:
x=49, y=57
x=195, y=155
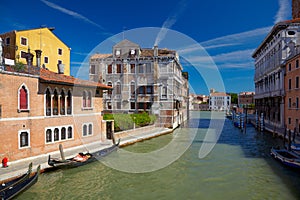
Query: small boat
x=20, y=186
x=17, y=180
x=81, y=158
x=288, y=158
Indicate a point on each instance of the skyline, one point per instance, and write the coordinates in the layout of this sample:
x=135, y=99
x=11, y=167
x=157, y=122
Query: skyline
x=228, y=31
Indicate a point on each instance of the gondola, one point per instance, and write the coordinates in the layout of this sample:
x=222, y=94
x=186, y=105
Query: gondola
x=22, y=185
x=81, y=158
x=288, y=158
x=17, y=180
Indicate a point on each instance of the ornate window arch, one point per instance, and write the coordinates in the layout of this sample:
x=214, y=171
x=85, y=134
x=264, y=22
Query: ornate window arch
x=23, y=98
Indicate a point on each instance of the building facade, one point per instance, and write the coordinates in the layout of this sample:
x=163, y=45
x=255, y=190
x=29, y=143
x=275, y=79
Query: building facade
x=292, y=93
x=281, y=43
x=143, y=79
x=245, y=99
x=54, y=53
x=219, y=101
x=39, y=111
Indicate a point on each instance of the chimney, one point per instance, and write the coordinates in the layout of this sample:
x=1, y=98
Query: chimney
x=38, y=57
x=29, y=57
x=296, y=9
x=61, y=68
x=155, y=51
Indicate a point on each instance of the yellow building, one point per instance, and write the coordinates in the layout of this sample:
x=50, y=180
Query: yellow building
x=54, y=51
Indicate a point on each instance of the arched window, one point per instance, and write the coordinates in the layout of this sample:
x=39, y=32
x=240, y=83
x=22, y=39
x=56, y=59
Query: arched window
x=62, y=103
x=48, y=135
x=118, y=88
x=70, y=132
x=90, y=129
x=109, y=92
x=55, y=103
x=69, y=103
x=48, y=102
x=84, y=130
x=23, y=98
x=89, y=99
x=23, y=139
x=56, y=134
x=109, y=69
x=84, y=98
x=63, y=133
x=132, y=89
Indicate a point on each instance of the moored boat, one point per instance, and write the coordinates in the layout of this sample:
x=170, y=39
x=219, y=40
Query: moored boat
x=19, y=186
x=81, y=158
x=288, y=158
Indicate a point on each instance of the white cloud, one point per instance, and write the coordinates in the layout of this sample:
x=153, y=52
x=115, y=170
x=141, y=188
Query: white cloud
x=171, y=20
x=71, y=13
x=284, y=11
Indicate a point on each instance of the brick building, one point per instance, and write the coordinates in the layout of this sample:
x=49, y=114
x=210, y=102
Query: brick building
x=40, y=109
x=143, y=79
x=292, y=93
x=245, y=99
x=296, y=9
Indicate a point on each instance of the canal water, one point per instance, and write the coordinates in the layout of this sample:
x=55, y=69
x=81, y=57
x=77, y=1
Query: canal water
x=238, y=167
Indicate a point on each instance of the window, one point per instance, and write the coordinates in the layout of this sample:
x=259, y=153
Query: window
x=148, y=68
x=118, y=105
x=132, y=68
x=62, y=103
x=132, y=89
x=297, y=82
x=109, y=105
x=109, y=92
x=24, y=138
x=118, y=53
x=89, y=99
x=297, y=102
x=149, y=89
x=23, y=54
x=132, y=105
x=56, y=134
x=118, y=88
x=48, y=135
x=90, y=129
x=63, y=135
x=109, y=69
x=84, y=130
x=46, y=60
x=55, y=103
x=289, y=120
x=141, y=69
x=23, y=41
x=59, y=62
x=92, y=69
x=69, y=103
x=290, y=103
x=59, y=51
x=297, y=64
x=119, y=68
x=142, y=90
x=48, y=102
x=290, y=66
x=70, y=132
x=290, y=84
x=164, y=92
x=7, y=41
x=23, y=98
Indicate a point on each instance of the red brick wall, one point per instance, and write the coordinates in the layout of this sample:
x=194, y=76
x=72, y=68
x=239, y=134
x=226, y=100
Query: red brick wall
x=292, y=113
x=12, y=121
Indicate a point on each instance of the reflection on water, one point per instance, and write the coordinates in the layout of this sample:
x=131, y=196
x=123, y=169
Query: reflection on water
x=239, y=167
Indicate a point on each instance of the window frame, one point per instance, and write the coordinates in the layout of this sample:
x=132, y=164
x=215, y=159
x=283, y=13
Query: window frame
x=87, y=133
x=19, y=99
x=60, y=51
x=25, y=39
x=19, y=139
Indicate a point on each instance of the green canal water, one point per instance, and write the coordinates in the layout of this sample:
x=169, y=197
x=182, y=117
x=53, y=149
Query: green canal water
x=238, y=167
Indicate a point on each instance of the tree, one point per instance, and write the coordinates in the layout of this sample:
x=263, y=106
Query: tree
x=234, y=98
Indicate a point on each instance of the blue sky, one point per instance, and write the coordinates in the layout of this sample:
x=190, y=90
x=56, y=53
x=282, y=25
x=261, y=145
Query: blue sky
x=228, y=30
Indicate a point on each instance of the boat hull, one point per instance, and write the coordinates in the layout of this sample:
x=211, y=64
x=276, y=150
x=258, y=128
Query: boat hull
x=286, y=157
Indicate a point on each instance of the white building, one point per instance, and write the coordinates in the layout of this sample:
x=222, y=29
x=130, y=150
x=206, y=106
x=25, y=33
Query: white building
x=219, y=101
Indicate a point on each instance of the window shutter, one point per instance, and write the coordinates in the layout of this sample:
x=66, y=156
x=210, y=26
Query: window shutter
x=23, y=98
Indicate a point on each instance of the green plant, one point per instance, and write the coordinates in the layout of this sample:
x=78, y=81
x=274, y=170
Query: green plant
x=19, y=66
